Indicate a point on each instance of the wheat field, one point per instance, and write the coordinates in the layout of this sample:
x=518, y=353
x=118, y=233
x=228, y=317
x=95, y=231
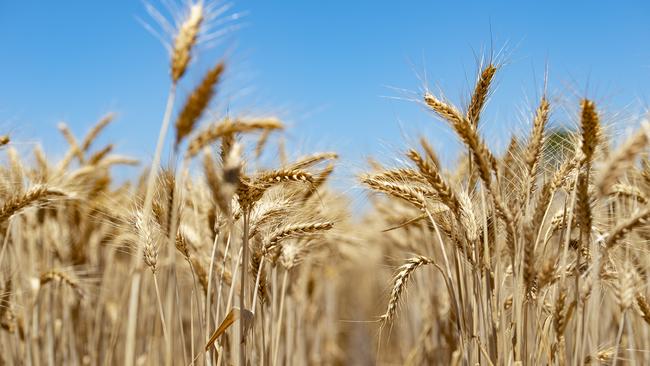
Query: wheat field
x=534, y=256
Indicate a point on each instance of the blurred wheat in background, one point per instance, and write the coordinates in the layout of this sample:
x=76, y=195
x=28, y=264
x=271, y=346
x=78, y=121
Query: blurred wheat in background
x=537, y=255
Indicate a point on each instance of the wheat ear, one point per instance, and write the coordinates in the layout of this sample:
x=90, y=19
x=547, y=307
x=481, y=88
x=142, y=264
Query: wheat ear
x=480, y=95
x=185, y=41
x=196, y=103
x=401, y=281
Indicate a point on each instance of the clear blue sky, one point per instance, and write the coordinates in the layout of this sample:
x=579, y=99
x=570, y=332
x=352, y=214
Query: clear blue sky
x=335, y=70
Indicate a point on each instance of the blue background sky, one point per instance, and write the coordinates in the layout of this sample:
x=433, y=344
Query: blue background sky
x=341, y=73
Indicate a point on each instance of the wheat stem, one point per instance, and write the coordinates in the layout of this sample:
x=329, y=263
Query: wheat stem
x=146, y=212
x=160, y=308
x=283, y=292
x=242, y=295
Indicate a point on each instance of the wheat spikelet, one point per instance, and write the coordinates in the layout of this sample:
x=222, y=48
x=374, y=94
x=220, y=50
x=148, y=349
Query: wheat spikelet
x=645, y=170
x=215, y=182
x=400, y=282
x=148, y=236
x=56, y=275
x=467, y=217
x=201, y=273
x=75, y=150
x=167, y=193
x=542, y=202
x=446, y=111
x=247, y=194
x=601, y=356
x=621, y=161
x=95, y=131
x=16, y=170
x=116, y=160
x=319, y=181
x=261, y=143
x=547, y=275
x=590, y=125
x=563, y=173
x=100, y=155
x=181, y=245
x=627, y=226
x=644, y=306
x=36, y=195
x=530, y=272
x=625, y=286
x=626, y=190
x=226, y=129
x=185, y=40
x=432, y=175
x=196, y=103
x=270, y=178
x=534, y=148
x=408, y=193
x=400, y=175
x=560, y=220
x=429, y=152
x=268, y=212
x=583, y=215
x=468, y=134
x=311, y=160
x=481, y=91
x=560, y=319
x=227, y=142
x=295, y=230
x=291, y=254
x=42, y=166
x=249, y=191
